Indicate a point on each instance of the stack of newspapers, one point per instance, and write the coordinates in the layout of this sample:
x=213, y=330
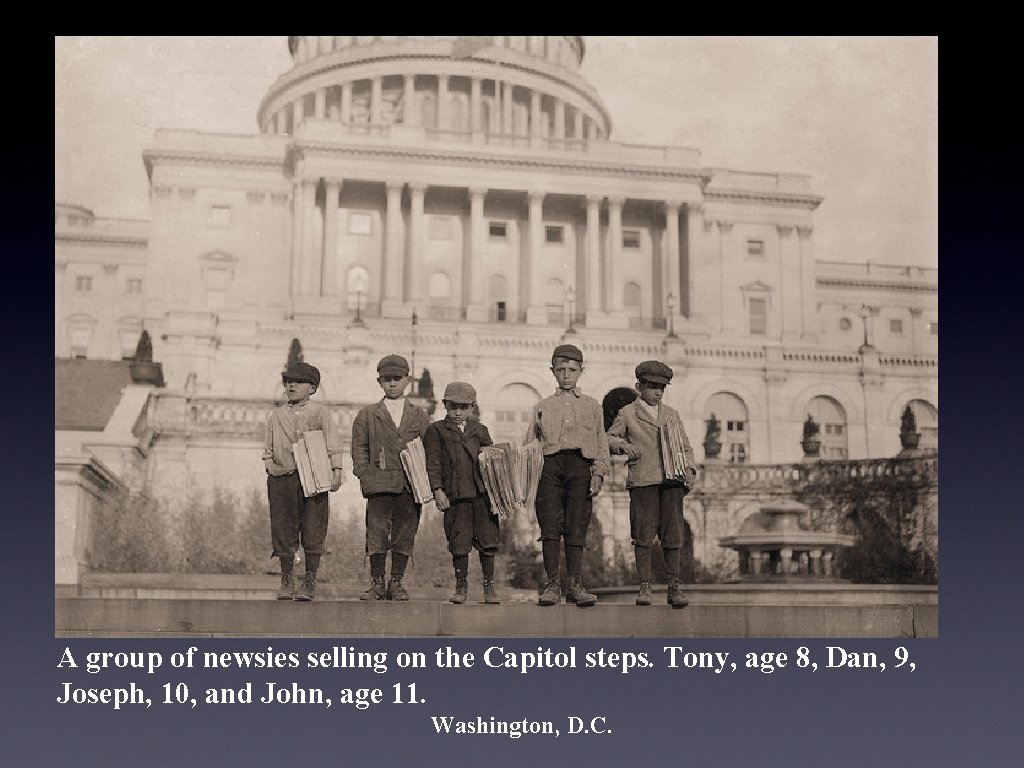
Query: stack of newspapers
x=673, y=453
x=313, y=463
x=414, y=462
x=511, y=476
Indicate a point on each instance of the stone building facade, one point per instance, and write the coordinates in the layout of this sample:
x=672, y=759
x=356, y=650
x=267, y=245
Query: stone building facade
x=472, y=184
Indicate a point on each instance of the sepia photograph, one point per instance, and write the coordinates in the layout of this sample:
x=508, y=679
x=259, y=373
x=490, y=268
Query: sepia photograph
x=496, y=336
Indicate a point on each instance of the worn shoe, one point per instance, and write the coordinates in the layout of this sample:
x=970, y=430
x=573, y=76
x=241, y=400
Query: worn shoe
x=397, y=590
x=676, y=598
x=287, y=589
x=461, y=592
x=644, y=596
x=490, y=593
x=578, y=594
x=307, y=591
x=551, y=595
x=377, y=591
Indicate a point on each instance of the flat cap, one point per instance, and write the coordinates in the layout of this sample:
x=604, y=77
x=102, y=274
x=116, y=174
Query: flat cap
x=460, y=392
x=302, y=372
x=570, y=351
x=653, y=370
x=393, y=365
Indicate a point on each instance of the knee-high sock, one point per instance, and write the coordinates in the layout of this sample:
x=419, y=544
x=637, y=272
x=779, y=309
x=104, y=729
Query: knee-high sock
x=552, y=557
x=573, y=560
x=643, y=562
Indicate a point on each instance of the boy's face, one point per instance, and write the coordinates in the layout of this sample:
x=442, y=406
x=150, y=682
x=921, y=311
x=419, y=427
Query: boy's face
x=650, y=392
x=566, y=372
x=393, y=385
x=297, y=391
x=458, y=412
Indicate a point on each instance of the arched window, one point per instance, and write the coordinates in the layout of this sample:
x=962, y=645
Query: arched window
x=440, y=296
x=731, y=411
x=513, y=411
x=832, y=419
x=497, y=291
x=927, y=418
x=357, y=286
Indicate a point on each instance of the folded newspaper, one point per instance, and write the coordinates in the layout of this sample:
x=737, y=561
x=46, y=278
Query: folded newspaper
x=511, y=476
x=673, y=453
x=414, y=462
x=313, y=463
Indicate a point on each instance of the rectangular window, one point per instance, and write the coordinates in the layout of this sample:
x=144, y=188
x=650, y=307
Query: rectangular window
x=933, y=328
x=631, y=238
x=440, y=228
x=755, y=247
x=134, y=285
x=758, y=316
x=220, y=216
x=360, y=224
x=498, y=230
x=554, y=234
x=895, y=326
x=83, y=283
x=79, y=341
x=500, y=312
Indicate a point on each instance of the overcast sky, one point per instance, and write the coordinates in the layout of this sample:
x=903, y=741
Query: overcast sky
x=859, y=115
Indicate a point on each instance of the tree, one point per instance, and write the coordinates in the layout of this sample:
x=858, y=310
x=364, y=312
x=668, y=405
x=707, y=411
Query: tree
x=294, y=353
x=144, y=348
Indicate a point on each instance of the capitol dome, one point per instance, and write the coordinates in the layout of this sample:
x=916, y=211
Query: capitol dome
x=518, y=90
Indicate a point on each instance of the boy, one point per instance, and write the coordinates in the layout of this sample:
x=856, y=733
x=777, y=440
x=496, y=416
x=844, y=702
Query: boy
x=380, y=433
x=294, y=517
x=570, y=427
x=453, y=448
x=655, y=504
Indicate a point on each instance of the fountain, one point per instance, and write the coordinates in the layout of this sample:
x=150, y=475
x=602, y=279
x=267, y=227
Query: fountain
x=772, y=547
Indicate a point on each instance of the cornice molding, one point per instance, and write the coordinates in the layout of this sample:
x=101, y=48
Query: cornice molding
x=792, y=199
x=105, y=239
x=837, y=282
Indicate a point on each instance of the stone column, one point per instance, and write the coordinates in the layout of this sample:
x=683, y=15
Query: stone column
x=320, y=105
x=790, y=284
x=724, y=243
x=808, y=304
x=559, y=119
x=442, y=103
x=329, y=271
x=474, y=272
x=411, y=110
x=393, y=268
x=673, y=284
x=298, y=211
x=915, y=324
x=536, y=119
x=297, y=106
x=376, y=97
x=346, y=102
x=506, y=108
x=536, y=312
x=475, y=109
x=414, y=263
x=615, y=254
x=311, y=255
x=594, y=303
x=577, y=126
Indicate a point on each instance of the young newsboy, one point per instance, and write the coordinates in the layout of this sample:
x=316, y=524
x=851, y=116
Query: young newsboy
x=655, y=504
x=295, y=518
x=380, y=433
x=453, y=448
x=570, y=427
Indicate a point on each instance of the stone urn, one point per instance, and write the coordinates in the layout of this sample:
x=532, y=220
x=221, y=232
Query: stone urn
x=712, y=438
x=910, y=440
x=147, y=373
x=811, y=441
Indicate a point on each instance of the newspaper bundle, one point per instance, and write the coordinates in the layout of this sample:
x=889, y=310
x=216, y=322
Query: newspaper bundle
x=673, y=453
x=313, y=463
x=511, y=476
x=414, y=462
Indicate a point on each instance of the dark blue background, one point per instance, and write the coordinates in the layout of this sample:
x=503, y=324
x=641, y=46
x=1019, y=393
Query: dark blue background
x=961, y=706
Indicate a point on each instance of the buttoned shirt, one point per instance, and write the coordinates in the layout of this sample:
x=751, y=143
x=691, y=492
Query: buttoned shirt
x=284, y=428
x=570, y=420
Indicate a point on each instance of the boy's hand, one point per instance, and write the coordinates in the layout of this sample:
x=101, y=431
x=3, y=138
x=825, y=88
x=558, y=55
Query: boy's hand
x=596, y=481
x=337, y=478
x=441, y=499
x=631, y=451
x=267, y=463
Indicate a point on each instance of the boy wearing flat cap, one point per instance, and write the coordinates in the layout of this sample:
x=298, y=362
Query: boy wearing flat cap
x=453, y=448
x=570, y=428
x=655, y=504
x=380, y=433
x=295, y=518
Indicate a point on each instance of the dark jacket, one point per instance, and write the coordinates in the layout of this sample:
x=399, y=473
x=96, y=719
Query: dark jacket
x=377, y=443
x=453, y=463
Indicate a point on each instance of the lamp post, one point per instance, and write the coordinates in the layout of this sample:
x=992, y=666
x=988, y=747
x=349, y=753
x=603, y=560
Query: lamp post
x=865, y=312
x=358, y=319
x=670, y=302
x=570, y=297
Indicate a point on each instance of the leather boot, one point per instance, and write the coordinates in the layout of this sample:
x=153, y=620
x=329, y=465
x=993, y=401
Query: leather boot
x=578, y=594
x=461, y=591
x=376, y=590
